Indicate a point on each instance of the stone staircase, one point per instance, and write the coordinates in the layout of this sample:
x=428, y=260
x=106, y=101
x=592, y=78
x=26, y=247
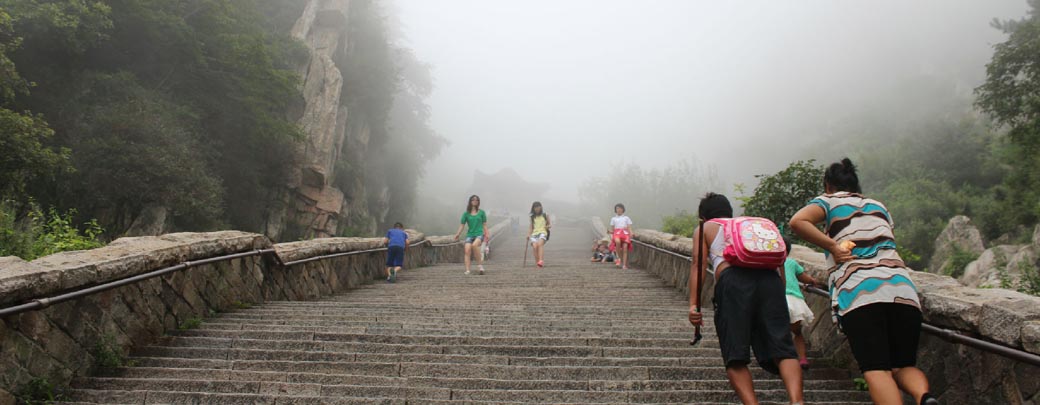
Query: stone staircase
x=573, y=332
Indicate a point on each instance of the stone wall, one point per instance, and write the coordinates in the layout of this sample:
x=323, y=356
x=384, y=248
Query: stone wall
x=68, y=339
x=958, y=374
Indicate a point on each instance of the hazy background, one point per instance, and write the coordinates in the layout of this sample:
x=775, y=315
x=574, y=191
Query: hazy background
x=560, y=90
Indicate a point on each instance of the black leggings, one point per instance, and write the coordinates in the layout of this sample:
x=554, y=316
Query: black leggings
x=883, y=336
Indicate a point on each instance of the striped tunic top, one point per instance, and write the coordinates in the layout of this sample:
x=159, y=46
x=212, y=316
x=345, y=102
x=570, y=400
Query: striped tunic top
x=876, y=274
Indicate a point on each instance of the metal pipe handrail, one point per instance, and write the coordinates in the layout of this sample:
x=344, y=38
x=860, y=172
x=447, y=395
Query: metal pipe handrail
x=946, y=334
x=350, y=253
x=42, y=303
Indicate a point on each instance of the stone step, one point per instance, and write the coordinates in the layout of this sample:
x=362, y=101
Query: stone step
x=313, y=326
x=678, y=342
x=160, y=397
x=454, y=383
x=457, y=332
x=269, y=388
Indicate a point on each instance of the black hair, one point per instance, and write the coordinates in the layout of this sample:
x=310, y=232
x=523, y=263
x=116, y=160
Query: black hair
x=620, y=205
x=469, y=202
x=714, y=206
x=787, y=243
x=841, y=176
x=537, y=204
x=398, y=225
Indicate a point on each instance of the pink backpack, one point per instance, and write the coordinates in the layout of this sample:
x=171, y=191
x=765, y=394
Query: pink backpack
x=752, y=242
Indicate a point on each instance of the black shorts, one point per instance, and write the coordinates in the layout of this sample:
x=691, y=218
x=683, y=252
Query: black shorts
x=395, y=256
x=883, y=336
x=751, y=311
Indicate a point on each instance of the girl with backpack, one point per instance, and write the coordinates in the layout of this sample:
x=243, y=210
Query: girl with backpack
x=475, y=219
x=750, y=308
x=621, y=236
x=538, y=234
x=873, y=299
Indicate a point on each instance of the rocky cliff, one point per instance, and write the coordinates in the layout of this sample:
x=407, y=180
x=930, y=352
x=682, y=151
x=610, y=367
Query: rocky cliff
x=311, y=205
x=1001, y=265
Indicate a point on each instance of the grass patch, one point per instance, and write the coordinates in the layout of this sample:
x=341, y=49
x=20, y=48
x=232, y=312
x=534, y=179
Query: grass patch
x=40, y=391
x=190, y=323
x=861, y=384
x=108, y=354
x=959, y=260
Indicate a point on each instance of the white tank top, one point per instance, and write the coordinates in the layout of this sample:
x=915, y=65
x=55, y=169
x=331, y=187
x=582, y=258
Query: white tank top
x=718, y=245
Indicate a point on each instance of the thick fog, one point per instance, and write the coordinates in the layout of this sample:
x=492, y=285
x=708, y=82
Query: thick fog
x=561, y=91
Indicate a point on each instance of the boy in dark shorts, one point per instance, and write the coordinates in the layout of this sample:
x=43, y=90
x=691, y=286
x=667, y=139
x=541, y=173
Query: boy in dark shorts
x=750, y=309
x=396, y=241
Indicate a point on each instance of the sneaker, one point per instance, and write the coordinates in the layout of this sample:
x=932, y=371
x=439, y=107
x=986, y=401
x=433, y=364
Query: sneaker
x=467, y=272
x=625, y=267
x=928, y=399
x=388, y=280
x=541, y=263
x=481, y=268
x=804, y=363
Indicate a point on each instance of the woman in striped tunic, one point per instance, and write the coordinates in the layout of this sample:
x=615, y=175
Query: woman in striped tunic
x=872, y=297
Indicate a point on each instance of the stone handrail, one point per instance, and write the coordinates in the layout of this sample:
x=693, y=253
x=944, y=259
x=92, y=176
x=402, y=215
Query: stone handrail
x=1003, y=316
x=71, y=338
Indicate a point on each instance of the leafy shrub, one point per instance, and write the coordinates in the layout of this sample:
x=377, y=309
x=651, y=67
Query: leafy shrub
x=36, y=234
x=190, y=323
x=682, y=224
x=40, y=391
x=108, y=354
x=959, y=260
x=780, y=195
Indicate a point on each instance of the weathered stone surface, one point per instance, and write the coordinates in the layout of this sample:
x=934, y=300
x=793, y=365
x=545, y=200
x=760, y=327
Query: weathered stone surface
x=1002, y=319
x=956, y=306
x=960, y=234
x=150, y=221
x=985, y=271
x=814, y=262
x=314, y=176
x=291, y=251
x=6, y=398
x=20, y=280
x=1031, y=336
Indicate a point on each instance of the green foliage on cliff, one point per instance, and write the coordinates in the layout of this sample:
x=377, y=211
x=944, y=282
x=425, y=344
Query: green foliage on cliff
x=180, y=103
x=37, y=233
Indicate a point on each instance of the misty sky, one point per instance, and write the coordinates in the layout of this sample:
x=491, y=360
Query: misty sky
x=561, y=90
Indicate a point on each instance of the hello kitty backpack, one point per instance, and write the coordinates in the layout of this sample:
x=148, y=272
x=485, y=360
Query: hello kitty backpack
x=752, y=242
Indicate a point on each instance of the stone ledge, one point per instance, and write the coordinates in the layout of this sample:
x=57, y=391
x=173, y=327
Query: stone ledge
x=291, y=251
x=1000, y=315
x=124, y=257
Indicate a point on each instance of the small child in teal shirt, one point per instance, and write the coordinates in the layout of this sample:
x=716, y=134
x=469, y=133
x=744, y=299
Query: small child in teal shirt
x=800, y=313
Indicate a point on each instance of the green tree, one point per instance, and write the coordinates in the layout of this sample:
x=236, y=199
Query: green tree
x=780, y=195
x=26, y=157
x=1009, y=95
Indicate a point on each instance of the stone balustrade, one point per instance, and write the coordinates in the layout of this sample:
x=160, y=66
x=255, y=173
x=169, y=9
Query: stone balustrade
x=71, y=338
